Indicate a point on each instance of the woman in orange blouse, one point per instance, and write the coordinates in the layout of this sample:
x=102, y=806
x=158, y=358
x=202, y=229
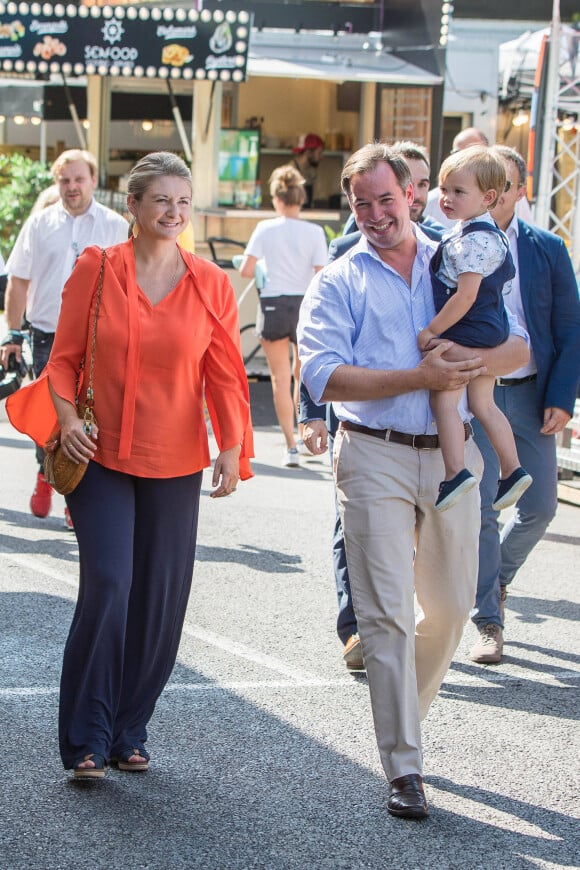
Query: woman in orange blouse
x=167, y=335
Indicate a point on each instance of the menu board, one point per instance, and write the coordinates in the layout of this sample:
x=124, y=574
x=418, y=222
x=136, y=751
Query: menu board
x=406, y=114
x=138, y=41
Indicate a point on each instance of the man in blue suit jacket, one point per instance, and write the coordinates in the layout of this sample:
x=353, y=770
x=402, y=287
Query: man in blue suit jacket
x=538, y=400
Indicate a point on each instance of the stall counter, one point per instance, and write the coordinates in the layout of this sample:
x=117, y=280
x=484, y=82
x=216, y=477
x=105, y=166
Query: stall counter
x=238, y=223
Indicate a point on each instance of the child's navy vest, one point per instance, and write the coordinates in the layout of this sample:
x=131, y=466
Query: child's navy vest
x=486, y=323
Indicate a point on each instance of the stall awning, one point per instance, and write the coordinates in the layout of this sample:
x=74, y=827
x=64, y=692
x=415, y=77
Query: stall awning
x=331, y=59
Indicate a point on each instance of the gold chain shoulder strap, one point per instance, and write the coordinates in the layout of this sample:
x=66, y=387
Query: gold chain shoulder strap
x=89, y=416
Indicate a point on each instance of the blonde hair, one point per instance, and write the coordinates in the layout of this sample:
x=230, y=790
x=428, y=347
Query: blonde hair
x=287, y=184
x=46, y=197
x=155, y=165
x=71, y=156
x=152, y=166
x=487, y=168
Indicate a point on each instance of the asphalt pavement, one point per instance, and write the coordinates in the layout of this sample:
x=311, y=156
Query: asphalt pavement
x=263, y=751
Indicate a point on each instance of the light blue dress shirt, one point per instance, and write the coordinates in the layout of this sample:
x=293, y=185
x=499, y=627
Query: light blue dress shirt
x=359, y=311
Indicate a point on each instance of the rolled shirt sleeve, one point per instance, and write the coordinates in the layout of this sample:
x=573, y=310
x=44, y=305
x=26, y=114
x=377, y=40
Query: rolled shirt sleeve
x=326, y=331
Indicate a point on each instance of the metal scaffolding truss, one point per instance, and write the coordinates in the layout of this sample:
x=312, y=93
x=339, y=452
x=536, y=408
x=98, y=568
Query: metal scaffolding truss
x=557, y=206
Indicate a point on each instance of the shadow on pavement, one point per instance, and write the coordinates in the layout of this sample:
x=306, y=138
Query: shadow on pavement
x=232, y=784
x=545, y=845
x=561, y=539
x=519, y=693
x=560, y=654
x=539, y=609
x=271, y=561
x=303, y=472
x=18, y=443
x=26, y=520
x=65, y=547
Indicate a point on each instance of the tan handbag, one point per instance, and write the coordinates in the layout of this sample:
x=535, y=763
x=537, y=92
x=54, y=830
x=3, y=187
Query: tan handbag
x=63, y=473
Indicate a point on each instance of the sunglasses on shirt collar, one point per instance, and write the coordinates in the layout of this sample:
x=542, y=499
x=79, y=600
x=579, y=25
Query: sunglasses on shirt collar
x=510, y=184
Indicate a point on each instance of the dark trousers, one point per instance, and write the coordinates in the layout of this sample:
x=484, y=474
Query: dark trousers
x=346, y=619
x=41, y=346
x=501, y=555
x=137, y=541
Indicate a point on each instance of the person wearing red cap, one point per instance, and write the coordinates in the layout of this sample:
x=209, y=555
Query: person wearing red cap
x=307, y=157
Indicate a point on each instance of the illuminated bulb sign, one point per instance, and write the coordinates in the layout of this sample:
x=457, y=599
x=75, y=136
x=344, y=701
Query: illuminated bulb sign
x=137, y=41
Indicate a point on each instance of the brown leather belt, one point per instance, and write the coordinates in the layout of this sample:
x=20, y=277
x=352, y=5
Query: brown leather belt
x=513, y=382
x=419, y=442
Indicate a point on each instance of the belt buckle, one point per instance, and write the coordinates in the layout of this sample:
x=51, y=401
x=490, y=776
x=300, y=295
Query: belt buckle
x=413, y=442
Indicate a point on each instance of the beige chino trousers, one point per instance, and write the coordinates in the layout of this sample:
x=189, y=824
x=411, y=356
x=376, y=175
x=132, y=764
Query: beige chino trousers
x=398, y=545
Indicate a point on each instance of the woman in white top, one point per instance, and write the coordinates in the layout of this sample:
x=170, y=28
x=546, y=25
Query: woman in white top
x=293, y=250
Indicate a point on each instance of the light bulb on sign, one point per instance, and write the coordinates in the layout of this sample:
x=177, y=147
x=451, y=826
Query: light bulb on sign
x=520, y=118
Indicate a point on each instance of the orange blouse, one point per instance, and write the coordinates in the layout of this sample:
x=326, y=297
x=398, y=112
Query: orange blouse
x=154, y=364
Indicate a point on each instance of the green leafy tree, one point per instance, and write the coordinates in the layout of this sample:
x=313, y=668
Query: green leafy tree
x=21, y=180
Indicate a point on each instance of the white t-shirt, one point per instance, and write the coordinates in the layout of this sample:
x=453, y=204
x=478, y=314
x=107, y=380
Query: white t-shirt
x=293, y=249
x=46, y=250
x=512, y=297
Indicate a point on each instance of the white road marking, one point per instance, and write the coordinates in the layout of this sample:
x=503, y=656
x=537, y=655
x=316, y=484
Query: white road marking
x=300, y=676
x=36, y=691
x=234, y=648
x=342, y=683
x=295, y=678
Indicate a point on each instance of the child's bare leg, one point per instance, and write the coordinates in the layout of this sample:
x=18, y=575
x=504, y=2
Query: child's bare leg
x=496, y=425
x=450, y=428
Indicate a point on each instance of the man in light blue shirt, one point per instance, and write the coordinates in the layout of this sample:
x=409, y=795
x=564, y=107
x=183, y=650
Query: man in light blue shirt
x=358, y=346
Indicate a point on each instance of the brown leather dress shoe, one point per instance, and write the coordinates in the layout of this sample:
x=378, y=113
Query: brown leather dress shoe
x=406, y=797
x=352, y=655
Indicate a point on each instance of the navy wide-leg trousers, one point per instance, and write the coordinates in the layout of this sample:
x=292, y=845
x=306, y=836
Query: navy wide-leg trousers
x=137, y=541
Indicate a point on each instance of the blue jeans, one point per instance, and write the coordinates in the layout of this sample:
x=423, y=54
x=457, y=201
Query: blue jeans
x=41, y=345
x=500, y=555
x=345, y=620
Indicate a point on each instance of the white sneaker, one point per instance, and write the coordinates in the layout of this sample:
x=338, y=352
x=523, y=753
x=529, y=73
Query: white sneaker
x=302, y=448
x=291, y=459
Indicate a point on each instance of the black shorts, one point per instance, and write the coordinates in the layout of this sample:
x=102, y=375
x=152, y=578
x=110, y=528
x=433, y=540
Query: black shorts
x=277, y=317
